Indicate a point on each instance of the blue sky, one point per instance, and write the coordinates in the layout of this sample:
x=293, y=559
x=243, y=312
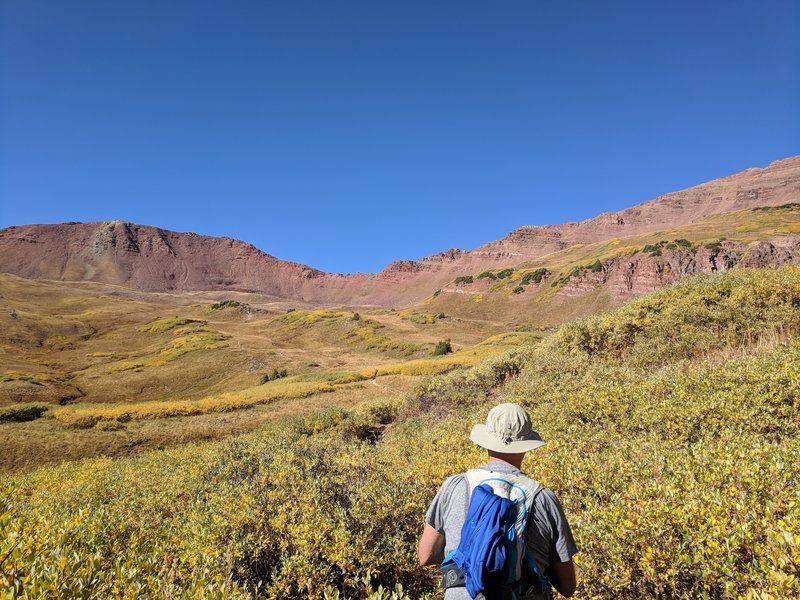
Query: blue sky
x=346, y=135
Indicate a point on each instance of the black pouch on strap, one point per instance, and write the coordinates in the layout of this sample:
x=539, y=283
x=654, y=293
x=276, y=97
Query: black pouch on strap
x=452, y=575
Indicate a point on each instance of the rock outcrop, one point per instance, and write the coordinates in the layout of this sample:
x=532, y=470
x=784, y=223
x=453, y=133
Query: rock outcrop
x=641, y=273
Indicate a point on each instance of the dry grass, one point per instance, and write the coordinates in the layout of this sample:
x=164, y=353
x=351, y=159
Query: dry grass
x=28, y=445
x=88, y=416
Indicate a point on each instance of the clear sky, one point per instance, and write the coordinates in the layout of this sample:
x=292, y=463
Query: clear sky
x=347, y=134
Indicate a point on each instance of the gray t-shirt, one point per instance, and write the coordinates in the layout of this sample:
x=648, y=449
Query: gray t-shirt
x=548, y=537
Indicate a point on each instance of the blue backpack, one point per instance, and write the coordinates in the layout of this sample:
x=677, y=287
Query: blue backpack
x=492, y=548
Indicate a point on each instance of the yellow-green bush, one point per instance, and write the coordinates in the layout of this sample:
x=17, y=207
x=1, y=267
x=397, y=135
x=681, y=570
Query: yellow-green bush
x=680, y=481
x=309, y=317
x=695, y=316
x=87, y=416
x=334, y=377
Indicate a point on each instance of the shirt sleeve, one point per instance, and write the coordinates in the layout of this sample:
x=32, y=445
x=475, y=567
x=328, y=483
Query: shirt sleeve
x=437, y=513
x=548, y=534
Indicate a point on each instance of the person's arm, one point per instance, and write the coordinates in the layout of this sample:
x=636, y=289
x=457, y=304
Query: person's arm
x=550, y=541
x=431, y=546
x=562, y=576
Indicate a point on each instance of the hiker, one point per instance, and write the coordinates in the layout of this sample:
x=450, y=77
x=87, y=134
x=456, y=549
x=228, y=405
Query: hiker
x=544, y=547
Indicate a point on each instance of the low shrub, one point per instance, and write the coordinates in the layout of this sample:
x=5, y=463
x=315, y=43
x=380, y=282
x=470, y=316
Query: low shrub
x=24, y=411
x=442, y=347
x=193, y=341
x=86, y=417
x=534, y=276
x=164, y=325
x=226, y=304
x=693, y=317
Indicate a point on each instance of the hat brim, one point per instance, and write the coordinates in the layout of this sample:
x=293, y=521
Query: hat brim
x=485, y=439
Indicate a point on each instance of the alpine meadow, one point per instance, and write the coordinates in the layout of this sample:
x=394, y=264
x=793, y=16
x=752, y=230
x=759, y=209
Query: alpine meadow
x=682, y=415
x=170, y=434
x=347, y=300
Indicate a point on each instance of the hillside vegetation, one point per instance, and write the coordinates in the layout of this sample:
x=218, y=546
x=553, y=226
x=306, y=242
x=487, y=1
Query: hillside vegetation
x=672, y=427
x=86, y=369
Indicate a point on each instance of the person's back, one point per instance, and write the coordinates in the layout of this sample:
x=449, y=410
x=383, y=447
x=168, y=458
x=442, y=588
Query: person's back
x=548, y=539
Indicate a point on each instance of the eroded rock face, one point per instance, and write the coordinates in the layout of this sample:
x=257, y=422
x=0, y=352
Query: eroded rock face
x=642, y=273
x=152, y=259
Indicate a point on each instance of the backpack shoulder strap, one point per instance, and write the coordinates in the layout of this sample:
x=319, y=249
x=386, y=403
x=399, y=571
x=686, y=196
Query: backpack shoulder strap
x=503, y=483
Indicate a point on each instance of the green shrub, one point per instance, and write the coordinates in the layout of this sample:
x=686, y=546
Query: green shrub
x=274, y=376
x=505, y=273
x=465, y=279
x=534, y=276
x=654, y=249
x=518, y=290
x=226, y=304
x=487, y=275
x=27, y=411
x=442, y=347
x=596, y=266
x=355, y=317
x=789, y=206
x=382, y=411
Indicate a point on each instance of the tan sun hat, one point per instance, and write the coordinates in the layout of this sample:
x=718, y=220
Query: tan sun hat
x=508, y=430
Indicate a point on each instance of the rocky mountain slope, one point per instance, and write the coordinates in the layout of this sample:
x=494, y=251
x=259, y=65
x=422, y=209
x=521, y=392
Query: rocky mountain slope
x=777, y=184
x=152, y=259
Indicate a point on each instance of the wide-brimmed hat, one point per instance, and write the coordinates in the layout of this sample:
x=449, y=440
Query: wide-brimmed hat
x=508, y=430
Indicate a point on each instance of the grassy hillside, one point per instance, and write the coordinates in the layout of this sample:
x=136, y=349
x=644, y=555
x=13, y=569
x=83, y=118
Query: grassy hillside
x=85, y=368
x=672, y=428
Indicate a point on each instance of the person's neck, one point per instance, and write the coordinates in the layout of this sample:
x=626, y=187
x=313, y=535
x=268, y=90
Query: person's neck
x=515, y=460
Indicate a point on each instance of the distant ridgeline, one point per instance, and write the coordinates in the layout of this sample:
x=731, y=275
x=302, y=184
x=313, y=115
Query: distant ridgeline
x=747, y=219
x=672, y=427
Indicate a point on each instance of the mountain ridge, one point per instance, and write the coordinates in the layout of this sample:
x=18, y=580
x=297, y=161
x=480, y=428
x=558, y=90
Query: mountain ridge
x=149, y=258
